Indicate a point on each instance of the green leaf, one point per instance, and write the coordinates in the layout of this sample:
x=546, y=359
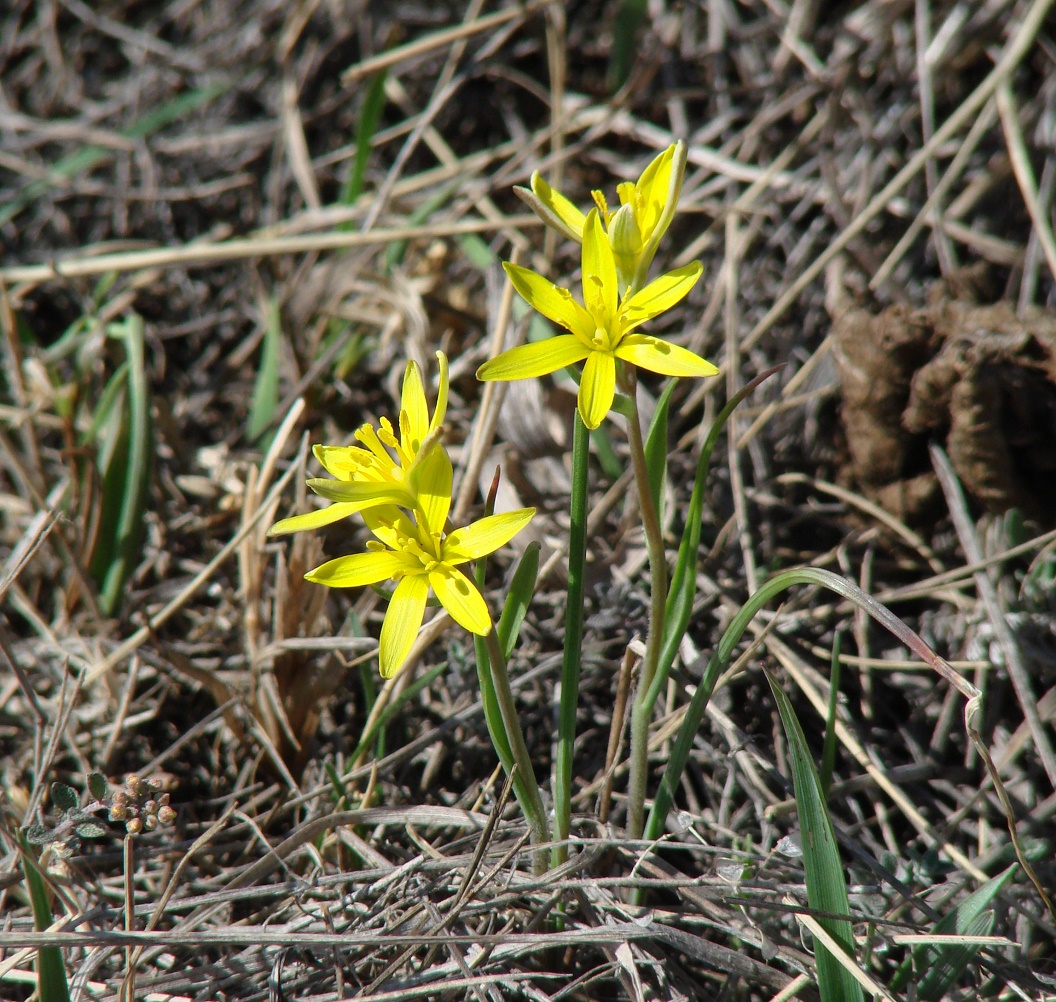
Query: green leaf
x=522, y=588
x=828, y=752
x=91, y=829
x=826, y=886
x=97, y=785
x=948, y=962
x=369, y=115
x=64, y=797
x=630, y=16
x=51, y=972
x=397, y=248
x=266, y=388
x=394, y=707
x=125, y=456
x=941, y=965
x=477, y=252
x=682, y=589
x=38, y=835
x=656, y=449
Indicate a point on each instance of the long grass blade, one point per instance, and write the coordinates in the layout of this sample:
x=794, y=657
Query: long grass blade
x=826, y=886
x=265, y=400
x=51, y=971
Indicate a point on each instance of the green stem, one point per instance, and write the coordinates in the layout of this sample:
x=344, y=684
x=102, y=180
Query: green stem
x=654, y=541
x=525, y=786
x=566, y=714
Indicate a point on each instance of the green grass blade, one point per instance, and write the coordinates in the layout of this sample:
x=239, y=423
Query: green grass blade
x=826, y=887
x=682, y=588
x=964, y=920
x=947, y=963
x=266, y=388
x=427, y=678
x=629, y=19
x=518, y=598
x=51, y=972
x=369, y=116
x=656, y=449
x=125, y=458
x=828, y=751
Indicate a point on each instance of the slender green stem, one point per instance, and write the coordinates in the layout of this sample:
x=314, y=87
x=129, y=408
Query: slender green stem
x=524, y=784
x=654, y=542
x=566, y=714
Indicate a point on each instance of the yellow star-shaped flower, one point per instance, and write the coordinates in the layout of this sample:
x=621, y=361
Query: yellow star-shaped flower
x=601, y=330
x=385, y=471
x=647, y=207
x=419, y=556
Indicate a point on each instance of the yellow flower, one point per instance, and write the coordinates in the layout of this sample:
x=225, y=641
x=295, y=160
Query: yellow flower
x=419, y=556
x=635, y=228
x=386, y=470
x=601, y=329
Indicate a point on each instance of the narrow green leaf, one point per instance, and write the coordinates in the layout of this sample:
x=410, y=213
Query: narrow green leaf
x=51, y=972
x=369, y=115
x=826, y=886
x=945, y=964
x=952, y=959
x=127, y=458
x=828, y=752
x=64, y=797
x=630, y=16
x=397, y=248
x=682, y=589
x=518, y=598
x=489, y=701
x=266, y=388
x=97, y=785
x=608, y=460
x=656, y=449
x=427, y=678
x=477, y=252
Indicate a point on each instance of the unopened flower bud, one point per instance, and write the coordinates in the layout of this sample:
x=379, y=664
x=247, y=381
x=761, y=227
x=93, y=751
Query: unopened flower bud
x=150, y=822
x=134, y=826
x=166, y=815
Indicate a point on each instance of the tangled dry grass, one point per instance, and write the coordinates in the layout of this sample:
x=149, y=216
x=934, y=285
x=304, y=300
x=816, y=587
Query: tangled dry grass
x=213, y=169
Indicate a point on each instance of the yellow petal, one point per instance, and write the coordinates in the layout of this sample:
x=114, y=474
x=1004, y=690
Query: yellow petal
x=441, y=393
x=358, y=569
x=539, y=358
x=663, y=357
x=550, y=300
x=600, y=286
x=485, y=535
x=654, y=189
x=341, y=461
x=402, y=621
x=363, y=493
x=554, y=209
x=597, y=388
x=388, y=524
x=459, y=596
x=413, y=404
x=659, y=295
x=432, y=481
x=313, y=519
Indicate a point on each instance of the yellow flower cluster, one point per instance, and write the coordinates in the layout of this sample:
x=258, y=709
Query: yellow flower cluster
x=401, y=486
x=618, y=248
